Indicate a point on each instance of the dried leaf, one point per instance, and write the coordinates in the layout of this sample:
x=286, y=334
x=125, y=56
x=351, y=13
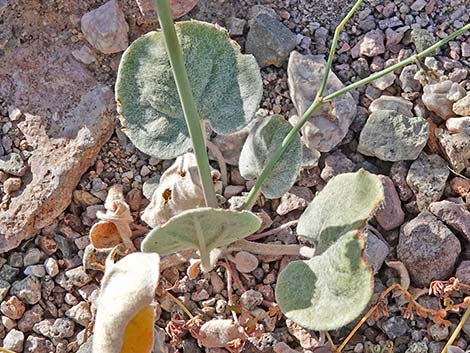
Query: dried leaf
x=402, y=271
x=179, y=189
x=124, y=318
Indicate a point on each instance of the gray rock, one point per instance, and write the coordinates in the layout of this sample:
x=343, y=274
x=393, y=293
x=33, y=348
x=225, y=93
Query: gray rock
x=384, y=82
x=427, y=179
x=13, y=164
x=236, y=26
x=78, y=277
x=62, y=328
x=456, y=148
x=150, y=186
x=269, y=41
x=231, y=145
x=391, y=136
x=27, y=290
x=439, y=97
x=395, y=327
x=462, y=106
x=31, y=317
x=4, y=288
x=256, y=10
x=407, y=81
x=428, y=249
x=397, y=104
x=376, y=251
x=297, y=198
x=35, y=344
x=336, y=163
x=105, y=28
x=3, y=6
x=14, y=341
x=463, y=274
x=251, y=299
x=417, y=347
x=453, y=215
x=459, y=124
x=418, y=5
x=84, y=55
x=80, y=313
x=371, y=45
x=327, y=127
x=391, y=215
x=422, y=39
x=398, y=174
x=8, y=273
x=33, y=256
x=438, y=332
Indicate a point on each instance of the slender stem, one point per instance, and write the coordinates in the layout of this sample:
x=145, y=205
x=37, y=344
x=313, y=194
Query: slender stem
x=398, y=65
x=334, y=44
x=271, y=249
x=255, y=191
x=457, y=330
x=187, y=101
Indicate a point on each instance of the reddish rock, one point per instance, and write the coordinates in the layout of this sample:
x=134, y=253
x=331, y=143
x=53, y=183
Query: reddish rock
x=179, y=8
x=391, y=215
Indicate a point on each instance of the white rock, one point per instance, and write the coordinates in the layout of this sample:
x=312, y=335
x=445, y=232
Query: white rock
x=52, y=268
x=14, y=341
x=456, y=125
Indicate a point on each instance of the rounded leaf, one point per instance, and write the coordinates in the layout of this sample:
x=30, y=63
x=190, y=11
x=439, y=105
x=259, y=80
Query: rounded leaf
x=327, y=291
x=204, y=229
x=346, y=203
x=226, y=86
x=264, y=139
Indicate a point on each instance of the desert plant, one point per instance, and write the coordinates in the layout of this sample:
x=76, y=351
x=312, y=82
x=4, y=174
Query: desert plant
x=169, y=84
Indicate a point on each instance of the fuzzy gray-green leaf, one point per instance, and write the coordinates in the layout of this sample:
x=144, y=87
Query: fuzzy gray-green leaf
x=226, y=85
x=264, y=139
x=327, y=291
x=346, y=203
x=204, y=229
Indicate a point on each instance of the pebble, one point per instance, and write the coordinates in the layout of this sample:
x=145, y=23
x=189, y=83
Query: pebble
x=297, y=198
x=462, y=106
x=407, y=80
x=200, y=295
x=31, y=317
x=395, y=327
x=465, y=49
x=384, y=82
x=13, y=308
x=327, y=127
x=51, y=266
x=218, y=333
x=422, y=38
x=335, y=164
x=231, y=145
x=376, y=251
x=105, y=28
x=78, y=277
x=428, y=249
x=13, y=164
x=439, y=97
x=80, y=313
x=390, y=215
x=371, y=45
x=14, y=113
x=8, y=273
x=35, y=344
x=35, y=270
x=397, y=104
x=463, y=273
x=233, y=190
x=453, y=215
x=84, y=55
x=14, y=341
x=251, y=299
x=438, y=332
x=150, y=186
x=32, y=257
x=246, y=262
x=417, y=347
x=62, y=328
x=456, y=148
x=27, y=290
x=4, y=288
x=11, y=185
x=427, y=178
x=418, y=5
x=236, y=26
x=269, y=41
x=459, y=124
x=391, y=136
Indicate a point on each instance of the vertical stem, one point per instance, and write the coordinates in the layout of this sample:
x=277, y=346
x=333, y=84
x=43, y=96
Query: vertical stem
x=187, y=101
x=457, y=330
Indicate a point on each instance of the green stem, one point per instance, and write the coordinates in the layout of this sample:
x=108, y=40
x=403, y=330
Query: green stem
x=187, y=101
x=319, y=100
x=334, y=44
x=457, y=330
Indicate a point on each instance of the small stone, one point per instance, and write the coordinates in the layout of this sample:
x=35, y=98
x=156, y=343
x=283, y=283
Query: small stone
x=372, y=44
x=376, y=251
x=463, y=274
x=14, y=341
x=439, y=97
x=51, y=266
x=11, y=185
x=150, y=186
x=465, y=49
x=200, y=295
x=453, y=215
x=144, y=171
x=391, y=136
x=31, y=317
x=297, y=198
x=438, y=332
x=269, y=41
x=397, y=104
x=84, y=198
x=422, y=39
x=246, y=262
x=407, y=80
x=15, y=259
x=218, y=333
x=78, y=277
x=418, y=5
x=13, y=164
x=80, y=313
x=335, y=164
x=251, y=299
x=462, y=106
x=33, y=256
x=327, y=127
x=12, y=308
x=428, y=249
x=35, y=270
x=256, y=10
x=216, y=282
x=105, y=28
x=395, y=327
x=233, y=190
x=427, y=178
x=384, y=82
x=456, y=148
x=35, y=344
x=62, y=328
x=236, y=26
x=28, y=290
x=134, y=199
x=4, y=288
x=14, y=113
x=179, y=8
x=84, y=55
x=417, y=347
x=8, y=273
x=390, y=215
x=460, y=124
x=231, y=145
